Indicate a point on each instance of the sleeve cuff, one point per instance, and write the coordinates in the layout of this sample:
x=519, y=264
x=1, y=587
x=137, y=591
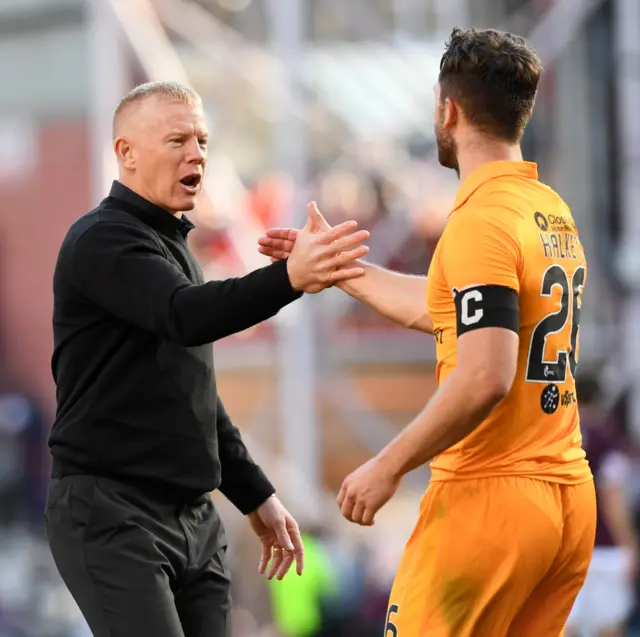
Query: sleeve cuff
x=248, y=490
x=281, y=282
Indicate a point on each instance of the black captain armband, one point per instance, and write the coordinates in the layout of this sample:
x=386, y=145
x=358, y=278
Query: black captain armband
x=486, y=306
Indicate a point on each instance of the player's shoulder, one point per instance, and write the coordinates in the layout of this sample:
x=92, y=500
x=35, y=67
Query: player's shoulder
x=512, y=207
x=484, y=217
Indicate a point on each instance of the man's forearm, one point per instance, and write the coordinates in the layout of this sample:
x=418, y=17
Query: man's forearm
x=463, y=401
x=154, y=293
x=208, y=312
x=243, y=482
x=402, y=298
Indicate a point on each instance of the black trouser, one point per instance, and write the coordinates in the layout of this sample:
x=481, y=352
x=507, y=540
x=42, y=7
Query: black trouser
x=139, y=562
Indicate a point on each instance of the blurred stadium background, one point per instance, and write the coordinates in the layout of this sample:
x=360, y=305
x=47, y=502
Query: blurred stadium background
x=322, y=99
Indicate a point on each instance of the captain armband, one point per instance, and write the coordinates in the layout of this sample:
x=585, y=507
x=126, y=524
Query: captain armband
x=481, y=306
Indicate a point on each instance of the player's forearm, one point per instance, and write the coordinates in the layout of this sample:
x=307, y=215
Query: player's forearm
x=402, y=298
x=463, y=401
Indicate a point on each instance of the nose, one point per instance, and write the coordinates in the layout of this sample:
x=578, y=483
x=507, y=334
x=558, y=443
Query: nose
x=197, y=153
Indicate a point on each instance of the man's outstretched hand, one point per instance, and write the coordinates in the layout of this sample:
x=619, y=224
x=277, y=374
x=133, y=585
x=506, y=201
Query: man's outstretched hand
x=280, y=537
x=278, y=243
x=318, y=256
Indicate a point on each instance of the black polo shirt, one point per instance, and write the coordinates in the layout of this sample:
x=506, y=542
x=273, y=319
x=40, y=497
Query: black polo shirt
x=133, y=323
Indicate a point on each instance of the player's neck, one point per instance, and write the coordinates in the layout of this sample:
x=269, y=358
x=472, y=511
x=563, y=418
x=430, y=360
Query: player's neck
x=480, y=152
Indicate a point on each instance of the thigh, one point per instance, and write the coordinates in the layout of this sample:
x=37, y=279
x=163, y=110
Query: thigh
x=111, y=564
x=204, y=602
x=579, y=612
x=478, y=550
x=204, y=599
x=547, y=610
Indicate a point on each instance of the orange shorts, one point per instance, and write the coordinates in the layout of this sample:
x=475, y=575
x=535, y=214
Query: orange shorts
x=494, y=557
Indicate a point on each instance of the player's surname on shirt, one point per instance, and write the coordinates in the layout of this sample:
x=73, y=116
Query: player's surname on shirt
x=559, y=237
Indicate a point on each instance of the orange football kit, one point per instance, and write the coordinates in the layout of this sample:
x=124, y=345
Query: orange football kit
x=507, y=525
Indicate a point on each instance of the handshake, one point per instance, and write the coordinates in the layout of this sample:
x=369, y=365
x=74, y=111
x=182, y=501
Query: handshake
x=318, y=256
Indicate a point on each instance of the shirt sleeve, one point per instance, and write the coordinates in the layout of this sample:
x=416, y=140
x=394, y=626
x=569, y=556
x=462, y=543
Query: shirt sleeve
x=244, y=484
x=126, y=272
x=480, y=261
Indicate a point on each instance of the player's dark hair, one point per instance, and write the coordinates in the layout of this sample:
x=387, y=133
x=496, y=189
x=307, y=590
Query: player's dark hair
x=494, y=77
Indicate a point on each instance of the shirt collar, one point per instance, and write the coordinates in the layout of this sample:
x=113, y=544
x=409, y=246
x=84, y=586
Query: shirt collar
x=489, y=171
x=151, y=214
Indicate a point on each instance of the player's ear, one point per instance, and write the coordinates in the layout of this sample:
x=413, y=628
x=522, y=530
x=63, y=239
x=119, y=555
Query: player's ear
x=124, y=152
x=450, y=112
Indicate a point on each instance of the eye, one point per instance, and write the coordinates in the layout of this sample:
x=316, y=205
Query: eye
x=203, y=141
x=177, y=141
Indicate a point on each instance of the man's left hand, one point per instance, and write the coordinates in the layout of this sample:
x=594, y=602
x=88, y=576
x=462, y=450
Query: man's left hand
x=366, y=490
x=280, y=537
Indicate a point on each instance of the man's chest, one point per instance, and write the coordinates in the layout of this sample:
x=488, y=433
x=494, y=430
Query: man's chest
x=178, y=253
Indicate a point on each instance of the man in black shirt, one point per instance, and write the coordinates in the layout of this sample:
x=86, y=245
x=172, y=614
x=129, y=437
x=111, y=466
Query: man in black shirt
x=141, y=437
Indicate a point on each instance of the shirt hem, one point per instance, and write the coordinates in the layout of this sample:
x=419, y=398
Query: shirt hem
x=514, y=474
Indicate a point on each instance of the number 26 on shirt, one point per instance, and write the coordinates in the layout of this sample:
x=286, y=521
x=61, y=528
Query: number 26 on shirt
x=540, y=370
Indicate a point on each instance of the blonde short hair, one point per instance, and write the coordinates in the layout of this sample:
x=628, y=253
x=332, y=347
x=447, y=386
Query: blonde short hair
x=170, y=91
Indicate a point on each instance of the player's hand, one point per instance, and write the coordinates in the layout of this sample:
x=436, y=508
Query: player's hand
x=278, y=243
x=319, y=260
x=365, y=491
x=280, y=537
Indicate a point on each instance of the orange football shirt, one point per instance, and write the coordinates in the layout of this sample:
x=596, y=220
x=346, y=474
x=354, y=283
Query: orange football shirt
x=508, y=229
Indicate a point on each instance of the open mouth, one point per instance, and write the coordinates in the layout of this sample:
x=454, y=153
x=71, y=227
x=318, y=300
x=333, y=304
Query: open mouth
x=191, y=182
